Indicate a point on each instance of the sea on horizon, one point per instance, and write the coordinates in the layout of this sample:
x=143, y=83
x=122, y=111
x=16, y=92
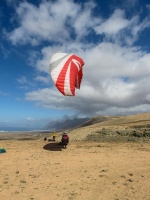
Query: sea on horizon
x=19, y=129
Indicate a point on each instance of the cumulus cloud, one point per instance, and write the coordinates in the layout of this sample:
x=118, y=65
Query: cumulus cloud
x=25, y=82
x=114, y=24
x=115, y=77
x=49, y=22
x=118, y=28
x=43, y=79
x=116, y=71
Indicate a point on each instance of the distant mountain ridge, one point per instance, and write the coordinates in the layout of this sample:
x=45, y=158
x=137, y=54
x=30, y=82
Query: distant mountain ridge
x=66, y=124
x=78, y=122
x=98, y=121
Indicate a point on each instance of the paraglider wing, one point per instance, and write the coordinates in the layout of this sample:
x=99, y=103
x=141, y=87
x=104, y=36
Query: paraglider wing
x=66, y=72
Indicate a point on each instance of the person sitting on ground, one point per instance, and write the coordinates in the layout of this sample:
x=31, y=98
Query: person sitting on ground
x=65, y=137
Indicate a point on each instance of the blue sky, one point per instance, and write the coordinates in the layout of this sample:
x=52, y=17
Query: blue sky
x=113, y=39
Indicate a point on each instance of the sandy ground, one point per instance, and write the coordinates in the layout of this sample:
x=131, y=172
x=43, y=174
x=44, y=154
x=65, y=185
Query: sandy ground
x=41, y=170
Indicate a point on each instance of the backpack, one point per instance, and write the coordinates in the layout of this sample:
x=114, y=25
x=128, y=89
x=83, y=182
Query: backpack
x=2, y=150
x=65, y=138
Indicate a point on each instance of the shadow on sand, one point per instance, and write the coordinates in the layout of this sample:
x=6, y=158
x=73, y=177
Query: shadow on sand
x=53, y=147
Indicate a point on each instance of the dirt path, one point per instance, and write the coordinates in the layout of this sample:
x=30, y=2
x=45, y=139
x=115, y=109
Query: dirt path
x=38, y=170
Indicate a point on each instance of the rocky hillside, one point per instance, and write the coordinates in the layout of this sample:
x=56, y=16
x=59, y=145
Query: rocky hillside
x=123, y=128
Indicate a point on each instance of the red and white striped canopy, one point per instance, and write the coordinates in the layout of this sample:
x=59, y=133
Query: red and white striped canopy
x=66, y=72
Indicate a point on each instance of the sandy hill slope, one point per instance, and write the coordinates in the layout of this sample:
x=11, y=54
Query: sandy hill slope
x=98, y=119
x=135, y=125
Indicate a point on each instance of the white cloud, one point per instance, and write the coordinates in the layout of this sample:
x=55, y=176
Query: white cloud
x=46, y=97
x=116, y=73
x=114, y=24
x=83, y=23
x=22, y=80
x=118, y=28
x=114, y=77
x=25, y=83
x=43, y=79
x=42, y=62
x=48, y=22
